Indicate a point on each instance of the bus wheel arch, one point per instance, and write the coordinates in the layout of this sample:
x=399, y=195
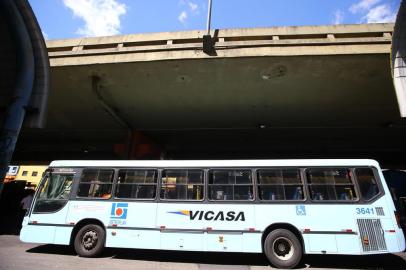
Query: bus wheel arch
x=285, y=226
x=92, y=229
x=290, y=237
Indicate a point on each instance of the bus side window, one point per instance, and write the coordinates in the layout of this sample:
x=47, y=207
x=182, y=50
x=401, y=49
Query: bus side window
x=228, y=185
x=279, y=184
x=182, y=184
x=367, y=183
x=95, y=183
x=331, y=184
x=136, y=184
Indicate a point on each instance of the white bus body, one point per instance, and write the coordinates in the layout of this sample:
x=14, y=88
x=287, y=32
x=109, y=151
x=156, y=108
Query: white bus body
x=353, y=227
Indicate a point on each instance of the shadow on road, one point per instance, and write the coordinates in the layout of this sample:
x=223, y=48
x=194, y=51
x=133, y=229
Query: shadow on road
x=10, y=223
x=386, y=261
x=53, y=249
x=162, y=255
x=10, y=207
x=191, y=257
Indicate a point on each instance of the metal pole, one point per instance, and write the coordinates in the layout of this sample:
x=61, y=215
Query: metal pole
x=208, y=17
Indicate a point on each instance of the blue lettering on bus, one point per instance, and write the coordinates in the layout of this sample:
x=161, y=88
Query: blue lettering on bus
x=365, y=211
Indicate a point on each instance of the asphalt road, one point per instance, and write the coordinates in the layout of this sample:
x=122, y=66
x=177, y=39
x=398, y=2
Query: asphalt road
x=17, y=255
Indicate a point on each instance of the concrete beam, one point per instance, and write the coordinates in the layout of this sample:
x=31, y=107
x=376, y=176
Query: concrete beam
x=276, y=41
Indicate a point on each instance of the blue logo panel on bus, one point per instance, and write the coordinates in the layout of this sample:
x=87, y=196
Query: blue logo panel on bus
x=119, y=210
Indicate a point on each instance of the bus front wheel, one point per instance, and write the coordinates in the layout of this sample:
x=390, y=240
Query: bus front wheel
x=282, y=248
x=89, y=240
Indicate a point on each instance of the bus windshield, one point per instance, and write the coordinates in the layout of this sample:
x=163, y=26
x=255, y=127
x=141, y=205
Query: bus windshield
x=56, y=186
x=54, y=192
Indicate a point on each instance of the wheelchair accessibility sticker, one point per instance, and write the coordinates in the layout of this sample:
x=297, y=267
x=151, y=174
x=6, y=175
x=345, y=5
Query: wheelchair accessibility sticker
x=300, y=210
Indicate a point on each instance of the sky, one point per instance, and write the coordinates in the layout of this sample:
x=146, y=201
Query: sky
x=87, y=18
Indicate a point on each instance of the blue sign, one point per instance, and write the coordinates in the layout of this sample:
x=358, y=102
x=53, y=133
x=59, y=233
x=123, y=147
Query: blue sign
x=300, y=210
x=119, y=210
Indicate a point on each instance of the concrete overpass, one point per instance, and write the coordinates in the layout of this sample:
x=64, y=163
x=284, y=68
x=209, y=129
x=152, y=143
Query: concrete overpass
x=284, y=92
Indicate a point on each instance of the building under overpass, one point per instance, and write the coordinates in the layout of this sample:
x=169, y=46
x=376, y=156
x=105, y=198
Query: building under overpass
x=284, y=92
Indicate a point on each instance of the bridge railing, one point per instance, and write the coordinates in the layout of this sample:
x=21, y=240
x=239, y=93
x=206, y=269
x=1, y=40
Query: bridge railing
x=225, y=39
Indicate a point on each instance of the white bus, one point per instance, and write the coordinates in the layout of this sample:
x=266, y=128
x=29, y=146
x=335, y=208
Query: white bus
x=283, y=208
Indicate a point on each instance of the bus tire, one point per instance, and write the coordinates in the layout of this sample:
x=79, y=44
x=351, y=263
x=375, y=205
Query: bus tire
x=89, y=240
x=283, y=249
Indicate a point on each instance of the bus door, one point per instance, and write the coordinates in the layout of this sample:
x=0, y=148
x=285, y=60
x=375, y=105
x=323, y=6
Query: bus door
x=46, y=220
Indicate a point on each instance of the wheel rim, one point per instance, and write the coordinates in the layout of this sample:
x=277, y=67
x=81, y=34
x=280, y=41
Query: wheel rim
x=89, y=239
x=283, y=248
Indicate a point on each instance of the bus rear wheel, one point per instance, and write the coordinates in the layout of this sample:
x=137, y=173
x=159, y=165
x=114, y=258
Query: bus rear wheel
x=89, y=240
x=283, y=249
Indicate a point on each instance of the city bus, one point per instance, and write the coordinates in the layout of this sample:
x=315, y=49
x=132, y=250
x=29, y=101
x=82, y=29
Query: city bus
x=282, y=208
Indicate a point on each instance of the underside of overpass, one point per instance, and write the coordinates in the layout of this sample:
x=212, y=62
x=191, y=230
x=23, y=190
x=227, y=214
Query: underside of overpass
x=289, y=92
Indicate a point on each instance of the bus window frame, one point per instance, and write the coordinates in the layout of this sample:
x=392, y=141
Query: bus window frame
x=378, y=180
x=206, y=170
x=48, y=173
x=74, y=193
x=299, y=169
x=159, y=185
x=158, y=175
x=253, y=178
x=353, y=180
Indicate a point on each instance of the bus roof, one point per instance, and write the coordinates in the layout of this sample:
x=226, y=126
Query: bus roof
x=215, y=163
